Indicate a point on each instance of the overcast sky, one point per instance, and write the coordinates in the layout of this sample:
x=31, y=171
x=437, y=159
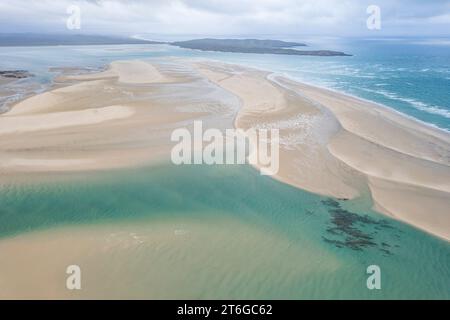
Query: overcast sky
x=229, y=17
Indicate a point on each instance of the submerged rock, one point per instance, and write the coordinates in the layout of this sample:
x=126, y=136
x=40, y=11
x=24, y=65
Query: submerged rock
x=15, y=74
x=351, y=230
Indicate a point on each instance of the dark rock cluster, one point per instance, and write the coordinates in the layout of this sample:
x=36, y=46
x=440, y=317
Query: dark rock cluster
x=15, y=74
x=349, y=229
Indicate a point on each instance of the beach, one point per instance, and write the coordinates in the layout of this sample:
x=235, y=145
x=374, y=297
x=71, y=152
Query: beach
x=403, y=163
x=331, y=144
x=81, y=127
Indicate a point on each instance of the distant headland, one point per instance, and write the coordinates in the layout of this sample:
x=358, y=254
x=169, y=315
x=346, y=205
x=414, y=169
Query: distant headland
x=34, y=39
x=208, y=44
x=254, y=46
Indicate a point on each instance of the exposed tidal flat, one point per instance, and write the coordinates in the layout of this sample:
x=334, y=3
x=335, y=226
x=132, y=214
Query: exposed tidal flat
x=86, y=179
x=206, y=232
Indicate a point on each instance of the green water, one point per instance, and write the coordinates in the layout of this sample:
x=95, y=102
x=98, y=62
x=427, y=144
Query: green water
x=413, y=264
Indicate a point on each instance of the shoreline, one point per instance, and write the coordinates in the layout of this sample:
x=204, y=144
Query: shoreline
x=431, y=165
x=379, y=105
x=81, y=71
x=329, y=139
x=312, y=84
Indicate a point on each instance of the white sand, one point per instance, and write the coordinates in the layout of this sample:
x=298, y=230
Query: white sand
x=331, y=144
x=132, y=72
x=404, y=163
x=156, y=259
x=55, y=120
x=119, y=118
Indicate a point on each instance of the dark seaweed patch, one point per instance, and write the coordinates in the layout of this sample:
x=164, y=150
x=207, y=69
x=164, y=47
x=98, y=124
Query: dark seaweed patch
x=352, y=230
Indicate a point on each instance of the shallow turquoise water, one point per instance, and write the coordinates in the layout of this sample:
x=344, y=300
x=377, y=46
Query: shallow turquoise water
x=409, y=77
x=413, y=263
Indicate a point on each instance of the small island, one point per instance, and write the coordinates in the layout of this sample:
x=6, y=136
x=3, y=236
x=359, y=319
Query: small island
x=253, y=46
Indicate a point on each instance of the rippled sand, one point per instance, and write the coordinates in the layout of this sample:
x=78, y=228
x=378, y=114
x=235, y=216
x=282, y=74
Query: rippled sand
x=337, y=145
x=183, y=258
x=331, y=144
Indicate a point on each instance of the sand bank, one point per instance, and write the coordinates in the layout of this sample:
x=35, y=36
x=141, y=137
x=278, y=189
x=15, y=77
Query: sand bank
x=158, y=259
x=132, y=72
x=56, y=120
x=331, y=144
x=117, y=118
x=338, y=145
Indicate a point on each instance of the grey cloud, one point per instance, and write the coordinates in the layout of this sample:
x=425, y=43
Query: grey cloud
x=325, y=17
